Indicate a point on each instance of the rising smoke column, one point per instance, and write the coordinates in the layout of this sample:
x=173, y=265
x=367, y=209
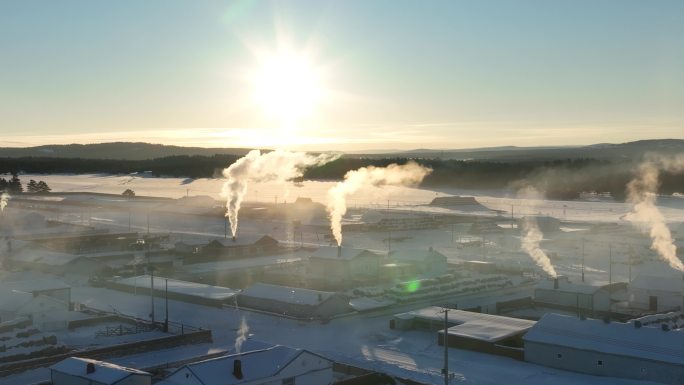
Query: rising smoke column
x=529, y=241
x=278, y=165
x=4, y=198
x=394, y=175
x=645, y=215
x=242, y=334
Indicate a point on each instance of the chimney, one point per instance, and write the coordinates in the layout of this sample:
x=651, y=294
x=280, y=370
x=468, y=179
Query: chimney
x=237, y=369
x=637, y=324
x=90, y=368
x=555, y=283
x=339, y=251
x=234, y=238
x=665, y=327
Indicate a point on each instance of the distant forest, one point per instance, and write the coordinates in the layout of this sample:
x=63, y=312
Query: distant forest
x=559, y=179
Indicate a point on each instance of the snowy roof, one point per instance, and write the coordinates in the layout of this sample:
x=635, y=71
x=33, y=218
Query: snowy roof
x=292, y=295
x=243, y=240
x=256, y=365
x=105, y=372
x=566, y=286
x=38, y=255
x=12, y=300
x=181, y=287
x=674, y=284
x=43, y=284
x=485, y=327
x=210, y=267
x=612, y=338
x=332, y=252
x=366, y=303
x=416, y=255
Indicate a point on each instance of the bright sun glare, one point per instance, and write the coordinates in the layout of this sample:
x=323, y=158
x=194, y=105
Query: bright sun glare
x=287, y=87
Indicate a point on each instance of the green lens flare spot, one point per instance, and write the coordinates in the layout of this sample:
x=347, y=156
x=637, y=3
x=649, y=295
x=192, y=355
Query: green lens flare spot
x=412, y=286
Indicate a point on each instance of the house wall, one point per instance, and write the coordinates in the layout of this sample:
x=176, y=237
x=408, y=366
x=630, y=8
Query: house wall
x=585, y=361
x=59, y=378
x=136, y=379
x=562, y=298
x=364, y=266
x=667, y=300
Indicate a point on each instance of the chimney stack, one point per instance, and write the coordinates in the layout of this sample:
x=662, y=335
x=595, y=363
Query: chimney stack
x=555, y=283
x=339, y=251
x=237, y=369
x=234, y=238
x=90, y=368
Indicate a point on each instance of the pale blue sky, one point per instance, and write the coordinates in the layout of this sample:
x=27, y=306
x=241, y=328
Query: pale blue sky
x=401, y=74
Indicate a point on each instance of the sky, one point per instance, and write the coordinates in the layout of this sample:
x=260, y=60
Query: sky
x=341, y=75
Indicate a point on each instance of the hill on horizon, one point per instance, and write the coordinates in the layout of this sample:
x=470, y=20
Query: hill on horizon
x=144, y=151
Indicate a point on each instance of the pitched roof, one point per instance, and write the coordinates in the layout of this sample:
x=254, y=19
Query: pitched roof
x=416, y=255
x=616, y=338
x=105, y=372
x=255, y=365
x=37, y=255
x=246, y=240
x=292, y=295
x=674, y=284
x=346, y=253
x=565, y=286
x=42, y=284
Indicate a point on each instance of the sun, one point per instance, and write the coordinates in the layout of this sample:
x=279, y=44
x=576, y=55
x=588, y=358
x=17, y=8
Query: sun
x=287, y=87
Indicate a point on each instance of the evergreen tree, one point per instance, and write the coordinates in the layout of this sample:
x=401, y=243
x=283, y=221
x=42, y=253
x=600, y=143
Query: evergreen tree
x=42, y=188
x=14, y=185
x=32, y=186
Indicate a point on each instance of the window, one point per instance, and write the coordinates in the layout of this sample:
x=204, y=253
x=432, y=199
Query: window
x=559, y=356
x=289, y=381
x=599, y=363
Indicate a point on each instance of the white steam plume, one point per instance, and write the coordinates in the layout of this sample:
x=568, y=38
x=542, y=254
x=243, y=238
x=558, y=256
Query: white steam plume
x=529, y=241
x=395, y=175
x=278, y=165
x=242, y=334
x=645, y=215
x=4, y=199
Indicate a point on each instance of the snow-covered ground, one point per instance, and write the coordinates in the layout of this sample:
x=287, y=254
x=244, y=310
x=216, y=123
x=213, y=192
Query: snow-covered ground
x=363, y=340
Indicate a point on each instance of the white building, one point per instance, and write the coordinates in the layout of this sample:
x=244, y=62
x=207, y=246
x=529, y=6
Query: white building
x=276, y=365
x=607, y=348
x=562, y=293
x=83, y=371
x=428, y=262
x=657, y=293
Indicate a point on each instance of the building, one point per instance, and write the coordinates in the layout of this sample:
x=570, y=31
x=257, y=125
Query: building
x=546, y=224
x=484, y=333
x=344, y=265
x=231, y=248
x=427, y=263
x=588, y=299
x=36, y=258
x=275, y=365
x=84, y=371
x=293, y=302
x=657, y=293
x=242, y=247
x=602, y=348
x=193, y=292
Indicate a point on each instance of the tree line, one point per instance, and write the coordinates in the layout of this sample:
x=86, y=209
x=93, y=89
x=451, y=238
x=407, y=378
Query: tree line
x=559, y=179
x=14, y=185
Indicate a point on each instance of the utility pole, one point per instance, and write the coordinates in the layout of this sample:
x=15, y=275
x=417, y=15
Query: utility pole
x=582, y=259
x=152, y=292
x=166, y=321
x=610, y=263
x=225, y=228
x=446, y=347
x=148, y=223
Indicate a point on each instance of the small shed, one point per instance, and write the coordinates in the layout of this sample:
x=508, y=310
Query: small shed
x=84, y=371
x=657, y=293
